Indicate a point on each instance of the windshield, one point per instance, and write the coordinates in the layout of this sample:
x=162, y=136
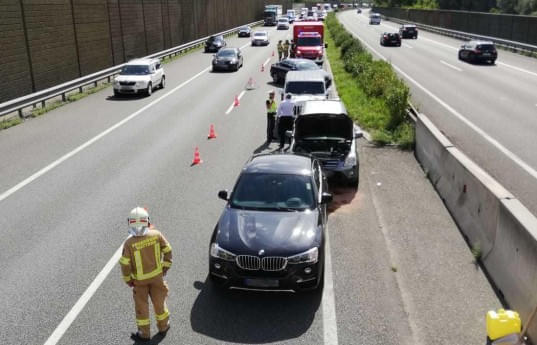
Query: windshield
x=226, y=53
x=264, y=191
x=135, y=70
x=282, y=20
x=244, y=28
x=270, y=14
x=305, y=87
x=309, y=41
x=307, y=65
x=260, y=34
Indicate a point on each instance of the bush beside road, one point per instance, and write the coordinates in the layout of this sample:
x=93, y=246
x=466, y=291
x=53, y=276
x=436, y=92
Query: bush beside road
x=372, y=92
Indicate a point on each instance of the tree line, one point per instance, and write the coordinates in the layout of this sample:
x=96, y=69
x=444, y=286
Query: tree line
x=526, y=7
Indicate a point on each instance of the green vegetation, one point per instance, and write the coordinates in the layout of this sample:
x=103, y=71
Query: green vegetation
x=394, y=269
x=476, y=251
x=4, y=124
x=526, y=7
x=373, y=94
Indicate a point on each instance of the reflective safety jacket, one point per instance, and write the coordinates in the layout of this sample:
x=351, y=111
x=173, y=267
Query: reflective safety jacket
x=280, y=48
x=272, y=108
x=145, y=257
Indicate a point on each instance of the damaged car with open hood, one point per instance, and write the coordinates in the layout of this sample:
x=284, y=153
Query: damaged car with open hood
x=324, y=130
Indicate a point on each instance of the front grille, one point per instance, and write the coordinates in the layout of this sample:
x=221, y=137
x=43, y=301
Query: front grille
x=273, y=263
x=129, y=83
x=248, y=262
x=333, y=163
x=254, y=263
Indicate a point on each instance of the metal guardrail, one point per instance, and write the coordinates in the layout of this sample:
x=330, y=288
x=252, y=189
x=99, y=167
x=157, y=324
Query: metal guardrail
x=18, y=104
x=510, y=45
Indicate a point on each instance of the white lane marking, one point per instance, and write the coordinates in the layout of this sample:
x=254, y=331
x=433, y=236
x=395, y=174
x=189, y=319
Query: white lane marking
x=83, y=300
x=407, y=45
x=266, y=62
x=516, y=68
x=451, y=66
x=461, y=117
x=328, y=299
x=245, y=45
x=230, y=109
x=65, y=157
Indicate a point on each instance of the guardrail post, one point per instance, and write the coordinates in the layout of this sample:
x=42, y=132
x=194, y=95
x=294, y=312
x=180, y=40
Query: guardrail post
x=43, y=104
x=80, y=89
x=95, y=84
x=20, y=114
x=63, y=97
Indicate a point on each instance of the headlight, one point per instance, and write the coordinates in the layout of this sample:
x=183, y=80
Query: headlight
x=310, y=256
x=116, y=82
x=351, y=159
x=140, y=83
x=220, y=253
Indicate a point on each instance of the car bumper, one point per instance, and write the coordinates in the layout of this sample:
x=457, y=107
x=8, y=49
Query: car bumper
x=260, y=43
x=283, y=27
x=225, y=66
x=212, y=49
x=132, y=90
x=292, y=278
x=244, y=34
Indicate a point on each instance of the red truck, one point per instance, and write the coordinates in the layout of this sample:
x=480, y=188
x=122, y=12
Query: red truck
x=308, y=38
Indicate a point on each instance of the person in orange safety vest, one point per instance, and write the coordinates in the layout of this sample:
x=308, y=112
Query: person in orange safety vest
x=146, y=258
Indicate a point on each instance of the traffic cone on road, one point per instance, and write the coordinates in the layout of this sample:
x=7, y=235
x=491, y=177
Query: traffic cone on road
x=251, y=85
x=236, y=103
x=197, y=159
x=212, y=134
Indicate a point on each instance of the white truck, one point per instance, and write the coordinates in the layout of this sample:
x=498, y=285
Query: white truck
x=278, y=8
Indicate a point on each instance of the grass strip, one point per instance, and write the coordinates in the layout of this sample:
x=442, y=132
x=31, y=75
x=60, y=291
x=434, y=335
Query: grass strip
x=5, y=124
x=372, y=92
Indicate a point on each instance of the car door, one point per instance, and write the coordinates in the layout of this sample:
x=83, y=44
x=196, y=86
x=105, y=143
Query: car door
x=153, y=74
x=159, y=71
x=321, y=185
x=239, y=56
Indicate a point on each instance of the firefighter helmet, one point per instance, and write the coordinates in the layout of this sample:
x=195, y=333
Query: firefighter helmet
x=138, y=221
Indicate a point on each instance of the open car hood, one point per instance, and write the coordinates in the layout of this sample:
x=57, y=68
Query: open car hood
x=324, y=125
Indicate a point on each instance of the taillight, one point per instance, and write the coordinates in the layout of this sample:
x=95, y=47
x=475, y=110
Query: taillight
x=477, y=51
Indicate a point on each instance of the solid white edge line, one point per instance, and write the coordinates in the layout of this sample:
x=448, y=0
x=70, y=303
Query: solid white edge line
x=266, y=62
x=470, y=124
x=451, y=66
x=408, y=46
x=330, y=335
x=70, y=154
x=83, y=300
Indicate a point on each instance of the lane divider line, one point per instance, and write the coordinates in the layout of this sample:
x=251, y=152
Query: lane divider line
x=71, y=316
x=328, y=299
x=88, y=143
x=266, y=62
x=408, y=46
x=230, y=109
x=451, y=66
x=526, y=167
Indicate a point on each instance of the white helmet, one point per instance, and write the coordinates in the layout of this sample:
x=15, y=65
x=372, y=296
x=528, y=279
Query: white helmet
x=138, y=221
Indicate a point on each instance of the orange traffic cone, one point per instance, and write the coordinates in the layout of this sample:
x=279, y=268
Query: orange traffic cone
x=236, y=103
x=262, y=68
x=212, y=134
x=197, y=159
x=251, y=85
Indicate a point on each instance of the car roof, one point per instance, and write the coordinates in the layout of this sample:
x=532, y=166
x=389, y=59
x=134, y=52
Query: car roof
x=298, y=60
x=142, y=61
x=480, y=42
x=409, y=25
x=279, y=163
x=310, y=75
x=323, y=107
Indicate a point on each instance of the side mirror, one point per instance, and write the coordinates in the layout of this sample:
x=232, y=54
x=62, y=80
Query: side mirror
x=326, y=198
x=288, y=134
x=223, y=195
x=326, y=45
x=358, y=135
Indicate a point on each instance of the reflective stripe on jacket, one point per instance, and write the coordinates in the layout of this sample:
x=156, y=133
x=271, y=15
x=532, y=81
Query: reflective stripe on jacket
x=272, y=108
x=145, y=256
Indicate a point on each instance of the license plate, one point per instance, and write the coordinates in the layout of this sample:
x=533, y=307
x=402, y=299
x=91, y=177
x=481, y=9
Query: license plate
x=486, y=54
x=262, y=283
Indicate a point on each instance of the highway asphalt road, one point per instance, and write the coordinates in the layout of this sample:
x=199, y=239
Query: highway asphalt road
x=400, y=272
x=490, y=112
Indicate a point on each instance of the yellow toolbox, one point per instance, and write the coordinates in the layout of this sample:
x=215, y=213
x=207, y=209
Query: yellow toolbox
x=502, y=322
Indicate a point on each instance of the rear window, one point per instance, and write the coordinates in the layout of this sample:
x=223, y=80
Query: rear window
x=305, y=87
x=486, y=47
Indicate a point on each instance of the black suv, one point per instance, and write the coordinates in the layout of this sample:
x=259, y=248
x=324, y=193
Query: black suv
x=214, y=43
x=408, y=31
x=478, y=51
x=271, y=234
x=390, y=39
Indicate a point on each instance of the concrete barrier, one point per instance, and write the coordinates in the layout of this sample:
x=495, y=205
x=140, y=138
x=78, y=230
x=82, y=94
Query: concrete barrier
x=488, y=215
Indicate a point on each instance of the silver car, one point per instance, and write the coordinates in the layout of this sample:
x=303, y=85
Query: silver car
x=260, y=38
x=283, y=23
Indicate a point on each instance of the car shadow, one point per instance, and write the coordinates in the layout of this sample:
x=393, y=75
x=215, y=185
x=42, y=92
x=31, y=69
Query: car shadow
x=252, y=317
x=156, y=339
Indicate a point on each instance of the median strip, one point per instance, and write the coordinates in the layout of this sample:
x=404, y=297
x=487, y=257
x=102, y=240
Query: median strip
x=372, y=92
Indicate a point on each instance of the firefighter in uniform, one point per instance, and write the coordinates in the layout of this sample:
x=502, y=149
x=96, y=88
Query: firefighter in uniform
x=146, y=258
x=280, y=50
x=286, y=49
x=272, y=108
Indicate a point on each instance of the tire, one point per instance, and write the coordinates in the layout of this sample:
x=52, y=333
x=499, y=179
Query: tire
x=149, y=90
x=460, y=55
x=471, y=57
x=354, y=182
x=492, y=62
x=398, y=44
x=163, y=82
x=116, y=93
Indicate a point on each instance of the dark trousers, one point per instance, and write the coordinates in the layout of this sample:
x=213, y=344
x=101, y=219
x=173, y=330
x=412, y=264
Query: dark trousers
x=285, y=123
x=271, y=122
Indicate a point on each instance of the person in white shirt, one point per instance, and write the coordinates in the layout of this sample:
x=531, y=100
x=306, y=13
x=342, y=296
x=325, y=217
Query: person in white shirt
x=286, y=118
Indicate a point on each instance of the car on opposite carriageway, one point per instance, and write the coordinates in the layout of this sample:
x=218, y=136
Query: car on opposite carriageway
x=279, y=70
x=140, y=76
x=271, y=233
x=229, y=59
x=260, y=38
x=245, y=31
x=215, y=43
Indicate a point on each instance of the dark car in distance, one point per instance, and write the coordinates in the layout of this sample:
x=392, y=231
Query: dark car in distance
x=478, y=51
x=279, y=70
x=271, y=234
x=408, y=31
x=245, y=31
x=390, y=39
x=228, y=59
x=214, y=43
